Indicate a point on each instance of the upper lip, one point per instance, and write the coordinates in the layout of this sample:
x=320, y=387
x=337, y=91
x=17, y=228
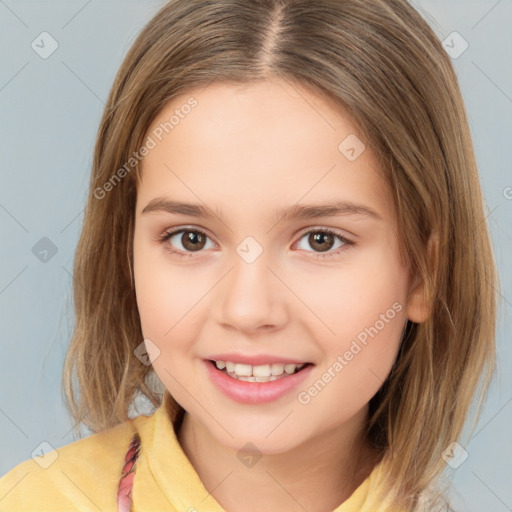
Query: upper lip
x=255, y=360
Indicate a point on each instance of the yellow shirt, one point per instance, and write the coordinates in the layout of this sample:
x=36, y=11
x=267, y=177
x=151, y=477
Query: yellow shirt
x=85, y=475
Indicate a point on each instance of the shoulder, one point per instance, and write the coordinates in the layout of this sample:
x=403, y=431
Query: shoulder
x=82, y=475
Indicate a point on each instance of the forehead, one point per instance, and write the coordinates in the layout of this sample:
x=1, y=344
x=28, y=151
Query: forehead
x=259, y=145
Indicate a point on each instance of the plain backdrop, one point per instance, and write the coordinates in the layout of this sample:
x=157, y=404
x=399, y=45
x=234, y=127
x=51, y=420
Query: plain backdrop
x=49, y=113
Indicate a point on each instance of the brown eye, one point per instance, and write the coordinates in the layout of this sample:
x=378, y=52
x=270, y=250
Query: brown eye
x=321, y=240
x=193, y=240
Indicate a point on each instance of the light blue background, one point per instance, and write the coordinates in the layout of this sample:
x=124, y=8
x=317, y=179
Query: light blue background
x=50, y=111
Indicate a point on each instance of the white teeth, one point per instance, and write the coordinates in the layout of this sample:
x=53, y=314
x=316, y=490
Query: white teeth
x=277, y=369
x=243, y=370
x=247, y=379
x=289, y=368
x=260, y=373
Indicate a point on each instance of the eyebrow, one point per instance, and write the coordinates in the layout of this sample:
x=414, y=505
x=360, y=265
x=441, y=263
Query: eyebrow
x=296, y=211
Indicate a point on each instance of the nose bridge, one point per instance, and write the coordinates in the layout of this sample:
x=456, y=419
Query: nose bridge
x=250, y=295
x=250, y=277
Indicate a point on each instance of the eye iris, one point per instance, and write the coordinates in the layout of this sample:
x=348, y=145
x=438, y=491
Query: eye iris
x=316, y=239
x=193, y=237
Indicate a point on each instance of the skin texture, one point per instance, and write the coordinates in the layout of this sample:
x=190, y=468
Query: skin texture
x=248, y=151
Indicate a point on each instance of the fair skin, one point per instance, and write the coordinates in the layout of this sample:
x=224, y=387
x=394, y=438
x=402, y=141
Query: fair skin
x=248, y=151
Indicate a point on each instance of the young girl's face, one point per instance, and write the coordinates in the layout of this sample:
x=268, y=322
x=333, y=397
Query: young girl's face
x=248, y=285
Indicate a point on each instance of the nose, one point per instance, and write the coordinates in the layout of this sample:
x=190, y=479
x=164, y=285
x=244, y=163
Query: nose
x=251, y=297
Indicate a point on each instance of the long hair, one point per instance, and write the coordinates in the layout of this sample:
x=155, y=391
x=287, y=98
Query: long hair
x=380, y=62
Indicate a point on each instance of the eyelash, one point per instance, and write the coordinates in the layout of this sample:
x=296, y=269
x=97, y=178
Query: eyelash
x=169, y=234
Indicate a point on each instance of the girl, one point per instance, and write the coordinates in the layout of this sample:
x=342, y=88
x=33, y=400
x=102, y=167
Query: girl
x=284, y=249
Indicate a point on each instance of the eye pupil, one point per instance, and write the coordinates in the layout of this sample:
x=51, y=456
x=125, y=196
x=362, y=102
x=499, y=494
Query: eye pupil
x=316, y=239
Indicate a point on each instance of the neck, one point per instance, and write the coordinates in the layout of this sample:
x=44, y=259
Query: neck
x=317, y=475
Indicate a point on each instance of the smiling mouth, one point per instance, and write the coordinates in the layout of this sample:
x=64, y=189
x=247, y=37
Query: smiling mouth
x=260, y=373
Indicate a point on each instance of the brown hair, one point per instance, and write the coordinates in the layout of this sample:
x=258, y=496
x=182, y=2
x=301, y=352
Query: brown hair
x=380, y=62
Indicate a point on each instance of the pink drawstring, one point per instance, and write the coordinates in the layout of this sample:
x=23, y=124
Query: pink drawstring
x=124, y=492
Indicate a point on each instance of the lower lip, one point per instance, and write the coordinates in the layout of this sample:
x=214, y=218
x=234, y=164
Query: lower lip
x=255, y=392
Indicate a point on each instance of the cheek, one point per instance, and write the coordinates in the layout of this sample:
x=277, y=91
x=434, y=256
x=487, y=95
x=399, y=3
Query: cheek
x=162, y=290
x=168, y=300
x=152, y=301
x=352, y=375
x=368, y=293
x=366, y=310
x=355, y=368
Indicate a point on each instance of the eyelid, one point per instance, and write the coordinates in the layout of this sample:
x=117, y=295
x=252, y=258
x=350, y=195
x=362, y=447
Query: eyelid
x=302, y=232
x=188, y=227
x=336, y=231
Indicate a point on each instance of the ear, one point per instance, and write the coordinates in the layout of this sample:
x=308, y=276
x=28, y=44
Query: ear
x=419, y=307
